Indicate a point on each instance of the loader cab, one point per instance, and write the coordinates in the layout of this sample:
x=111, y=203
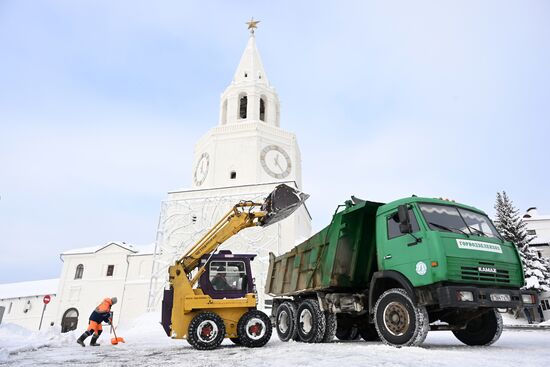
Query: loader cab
x=227, y=275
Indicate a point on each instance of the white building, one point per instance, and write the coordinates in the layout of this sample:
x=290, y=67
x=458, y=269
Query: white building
x=242, y=158
x=93, y=273
x=23, y=303
x=538, y=226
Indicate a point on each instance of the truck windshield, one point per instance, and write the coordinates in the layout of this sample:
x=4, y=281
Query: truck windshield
x=447, y=218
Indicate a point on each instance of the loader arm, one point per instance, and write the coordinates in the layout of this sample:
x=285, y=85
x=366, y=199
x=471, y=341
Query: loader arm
x=243, y=215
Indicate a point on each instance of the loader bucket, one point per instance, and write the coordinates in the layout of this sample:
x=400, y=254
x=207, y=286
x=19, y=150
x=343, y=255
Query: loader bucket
x=280, y=203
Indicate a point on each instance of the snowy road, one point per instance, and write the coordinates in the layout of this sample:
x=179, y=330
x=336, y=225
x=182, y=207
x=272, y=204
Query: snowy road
x=515, y=348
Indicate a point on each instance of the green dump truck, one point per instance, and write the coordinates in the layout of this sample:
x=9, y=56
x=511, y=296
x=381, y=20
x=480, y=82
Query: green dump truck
x=396, y=271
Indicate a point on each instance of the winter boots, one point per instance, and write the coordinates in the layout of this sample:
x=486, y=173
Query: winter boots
x=86, y=334
x=82, y=338
x=94, y=340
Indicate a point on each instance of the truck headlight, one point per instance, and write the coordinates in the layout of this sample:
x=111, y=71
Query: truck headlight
x=465, y=296
x=528, y=298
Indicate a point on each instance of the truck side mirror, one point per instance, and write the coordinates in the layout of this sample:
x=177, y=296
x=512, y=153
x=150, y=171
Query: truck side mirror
x=404, y=219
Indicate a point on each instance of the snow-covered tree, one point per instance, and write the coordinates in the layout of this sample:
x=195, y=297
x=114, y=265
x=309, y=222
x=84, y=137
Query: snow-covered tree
x=509, y=223
x=512, y=227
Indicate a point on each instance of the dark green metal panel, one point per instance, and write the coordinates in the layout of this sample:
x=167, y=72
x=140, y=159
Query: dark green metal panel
x=342, y=255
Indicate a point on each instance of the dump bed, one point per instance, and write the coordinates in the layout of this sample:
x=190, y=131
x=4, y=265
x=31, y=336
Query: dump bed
x=341, y=256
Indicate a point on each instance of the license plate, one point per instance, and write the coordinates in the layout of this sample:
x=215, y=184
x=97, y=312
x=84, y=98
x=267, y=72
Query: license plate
x=500, y=297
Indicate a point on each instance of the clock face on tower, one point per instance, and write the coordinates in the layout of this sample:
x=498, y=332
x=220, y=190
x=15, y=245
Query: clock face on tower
x=275, y=161
x=201, y=170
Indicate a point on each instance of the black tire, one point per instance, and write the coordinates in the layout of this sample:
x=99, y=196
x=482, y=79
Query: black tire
x=285, y=321
x=254, y=329
x=236, y=341
x=483, y=330
x=206, y=331
x=330, y=327
x=368, y=333
x=347, y=332
x=310, y=321
x=398, y=320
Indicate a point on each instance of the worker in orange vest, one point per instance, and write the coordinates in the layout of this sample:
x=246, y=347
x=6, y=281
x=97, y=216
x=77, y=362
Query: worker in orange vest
x=102, y=313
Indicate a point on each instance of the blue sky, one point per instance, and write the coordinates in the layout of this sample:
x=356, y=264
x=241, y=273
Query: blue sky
x=101, y=103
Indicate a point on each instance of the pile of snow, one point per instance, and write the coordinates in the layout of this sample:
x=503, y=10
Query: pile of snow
x=143, y=328
x=15, y=339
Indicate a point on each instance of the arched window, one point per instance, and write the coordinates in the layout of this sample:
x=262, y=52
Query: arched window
x=262, y=109
x=69, y=320
x=243, y=102
x=79, y=271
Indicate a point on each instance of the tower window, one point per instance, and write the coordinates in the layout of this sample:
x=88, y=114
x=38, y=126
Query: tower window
x=110, y=270
x=194, y=218
x=233, y=175
x=243, y=102
x=245, y=75
x=262, y=109
x=79, y=271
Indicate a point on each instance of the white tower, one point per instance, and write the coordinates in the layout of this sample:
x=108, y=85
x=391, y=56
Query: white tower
x=248, y=146
x=243, y=158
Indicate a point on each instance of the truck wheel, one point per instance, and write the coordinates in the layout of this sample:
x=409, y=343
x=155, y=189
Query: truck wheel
x=347, y=333
x=483, y=330
x=368, y=333
x=254, y=329
x=206, y=331
x=330, y=327
x=285, y=321
x=398, y=320
x=310, y=321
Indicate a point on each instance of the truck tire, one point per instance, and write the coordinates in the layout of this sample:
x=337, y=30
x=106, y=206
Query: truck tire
x=368, y=333
x=254, y=329
x=398, y=320
x=347, y=332
x=206, y=331
x=483, y=330
x=285, y=321
x=310, y=321
x=330, y=327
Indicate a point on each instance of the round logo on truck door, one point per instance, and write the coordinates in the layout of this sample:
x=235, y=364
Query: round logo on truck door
x=421, y=268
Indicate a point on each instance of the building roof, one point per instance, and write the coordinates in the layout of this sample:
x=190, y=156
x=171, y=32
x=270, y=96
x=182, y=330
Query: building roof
x=94, y=249
x=29, y=289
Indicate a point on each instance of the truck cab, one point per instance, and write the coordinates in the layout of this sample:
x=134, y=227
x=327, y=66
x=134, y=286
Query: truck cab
x=441, y=246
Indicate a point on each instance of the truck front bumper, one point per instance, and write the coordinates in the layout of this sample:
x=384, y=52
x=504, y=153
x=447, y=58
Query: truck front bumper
x=458, y=296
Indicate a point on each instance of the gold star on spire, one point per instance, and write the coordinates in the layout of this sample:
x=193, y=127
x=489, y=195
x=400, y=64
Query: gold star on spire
x=252, y=24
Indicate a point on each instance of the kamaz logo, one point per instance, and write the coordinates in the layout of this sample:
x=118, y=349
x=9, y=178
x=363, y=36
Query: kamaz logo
x=485, y=269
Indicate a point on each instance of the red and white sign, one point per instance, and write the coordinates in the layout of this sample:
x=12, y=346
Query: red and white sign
x=47, y=299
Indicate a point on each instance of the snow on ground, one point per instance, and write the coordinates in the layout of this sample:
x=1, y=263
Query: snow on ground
x=147, y=344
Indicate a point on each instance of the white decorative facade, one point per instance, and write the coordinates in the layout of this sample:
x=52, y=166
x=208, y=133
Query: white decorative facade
x=243, y=158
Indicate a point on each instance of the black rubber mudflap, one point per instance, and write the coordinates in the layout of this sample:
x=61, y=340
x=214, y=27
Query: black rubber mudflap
x=283, y=201
x=167, y=303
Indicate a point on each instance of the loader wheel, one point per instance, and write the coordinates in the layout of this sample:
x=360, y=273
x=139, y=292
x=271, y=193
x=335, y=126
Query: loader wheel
x=368, y=333
x=254, y=329
x=311, y=321
x=347, y=333
x=285, y=321
x=483, y=330
x=398, y=320
x=206, y=331
x=330, y=327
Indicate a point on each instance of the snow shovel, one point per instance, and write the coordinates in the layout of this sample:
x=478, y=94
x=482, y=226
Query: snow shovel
x=116, y=340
